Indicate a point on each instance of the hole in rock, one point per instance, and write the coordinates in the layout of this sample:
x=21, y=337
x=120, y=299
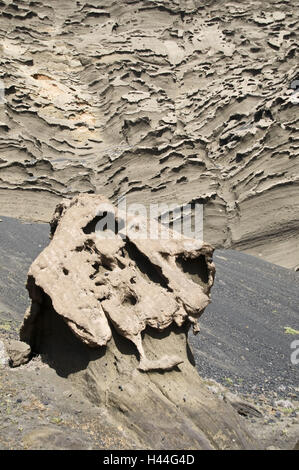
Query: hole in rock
x=96, y=267
x=230, y=138
x=196, y=269
x=11, y=90
x=130, y=299
x=120, y=264
x=149, y=270
x=103, y=222
x=101, y=267
x=40, y=76
x=54, y=222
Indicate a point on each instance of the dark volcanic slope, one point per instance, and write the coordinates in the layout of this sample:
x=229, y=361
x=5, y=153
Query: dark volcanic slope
x=20, y=243
x=242, y=337
x=162, y=101
x=242, y=332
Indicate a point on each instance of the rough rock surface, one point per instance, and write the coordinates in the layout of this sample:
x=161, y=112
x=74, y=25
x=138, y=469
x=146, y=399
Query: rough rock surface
x=19, y=353
x=130, y=282
x=135, y=401
x=159, y=101
x=91, y=294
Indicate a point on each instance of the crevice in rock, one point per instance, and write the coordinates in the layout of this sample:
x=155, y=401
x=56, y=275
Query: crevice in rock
x=130, y=299
x=105, y=221
x=195, y=269
x=148, y=269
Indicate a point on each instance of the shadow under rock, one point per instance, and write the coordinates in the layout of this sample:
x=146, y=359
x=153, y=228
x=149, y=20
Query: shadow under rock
x=58, y=345
x=173, y=328
x=67, y=354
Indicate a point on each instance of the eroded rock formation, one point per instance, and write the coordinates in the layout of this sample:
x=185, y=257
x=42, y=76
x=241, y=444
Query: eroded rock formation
x=159, y=101
x=95, y=298
x=130, y=282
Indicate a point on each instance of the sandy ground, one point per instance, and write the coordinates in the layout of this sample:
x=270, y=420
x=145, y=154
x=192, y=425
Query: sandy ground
x=40, y=410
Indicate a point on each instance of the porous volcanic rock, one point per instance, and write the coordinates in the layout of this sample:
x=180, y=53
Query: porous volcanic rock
x=19, y=352
x=95, y=276
x=95, y=298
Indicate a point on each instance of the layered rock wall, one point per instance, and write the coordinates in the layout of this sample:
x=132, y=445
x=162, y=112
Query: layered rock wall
x=173, y=101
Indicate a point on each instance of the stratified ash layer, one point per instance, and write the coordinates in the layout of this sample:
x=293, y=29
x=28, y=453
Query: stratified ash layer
x=161, y=101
